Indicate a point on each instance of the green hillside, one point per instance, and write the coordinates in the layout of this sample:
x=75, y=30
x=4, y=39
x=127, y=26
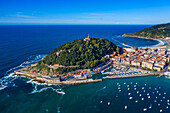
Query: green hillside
x=80, y=53
x=156, y=31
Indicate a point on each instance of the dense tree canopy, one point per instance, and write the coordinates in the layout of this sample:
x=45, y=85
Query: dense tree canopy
x=87, y=54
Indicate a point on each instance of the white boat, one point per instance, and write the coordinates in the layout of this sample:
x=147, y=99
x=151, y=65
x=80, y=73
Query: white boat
x=128, y=88
x=134, y=88
x=164, y=93
x=155, y=101
x=136, y=101
x=143, y=90
x=142, y=87
x=100, y=101
x=161, y=110
x=108, y=103
x=149, y=97
x=167, y=100
x=142, y=99
x=147, y=93
x=125, y=107
x=134, y=85
x=158, y=104
x=129, y=93
x=156, y=97
x=167, y=107
x=144, y=109
x=137, y=91
x=140, y=95
x=130, y=98
x=150, y=106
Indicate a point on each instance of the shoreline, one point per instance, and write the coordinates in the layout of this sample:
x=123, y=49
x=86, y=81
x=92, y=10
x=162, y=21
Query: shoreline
x=154, y=46
x=71, y=83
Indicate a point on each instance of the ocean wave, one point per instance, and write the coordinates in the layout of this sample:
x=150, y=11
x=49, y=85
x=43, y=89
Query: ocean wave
x=36, y=90
x=8, y=79
x=30, y=60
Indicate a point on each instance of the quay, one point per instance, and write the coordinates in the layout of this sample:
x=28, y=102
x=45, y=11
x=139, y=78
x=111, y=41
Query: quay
x=128, y=76
x=49, y=80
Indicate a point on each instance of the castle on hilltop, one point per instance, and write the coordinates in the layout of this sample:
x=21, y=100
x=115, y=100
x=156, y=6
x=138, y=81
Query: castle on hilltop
x=87, y=38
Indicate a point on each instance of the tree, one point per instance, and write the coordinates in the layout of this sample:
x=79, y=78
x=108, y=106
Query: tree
x=117, y=50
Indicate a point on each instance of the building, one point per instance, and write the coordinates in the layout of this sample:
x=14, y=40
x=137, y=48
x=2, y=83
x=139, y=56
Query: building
x=157, y=68
x=87, y=39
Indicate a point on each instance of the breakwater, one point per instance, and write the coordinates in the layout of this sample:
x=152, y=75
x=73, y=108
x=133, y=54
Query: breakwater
x=42, y=79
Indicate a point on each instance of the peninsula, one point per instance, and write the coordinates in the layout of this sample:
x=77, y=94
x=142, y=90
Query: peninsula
x=79, y=61
x=160, y=31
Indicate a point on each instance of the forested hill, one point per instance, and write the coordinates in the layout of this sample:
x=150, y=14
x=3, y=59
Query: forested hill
x=156, y=31
x=79, y=52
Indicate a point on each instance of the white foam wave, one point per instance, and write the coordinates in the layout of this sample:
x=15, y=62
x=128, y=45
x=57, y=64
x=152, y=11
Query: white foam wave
x=8, y=79
x=36, y=90
x=30, y=60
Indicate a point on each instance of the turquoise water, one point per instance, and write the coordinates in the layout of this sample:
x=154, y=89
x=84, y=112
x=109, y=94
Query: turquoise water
x=21, y=46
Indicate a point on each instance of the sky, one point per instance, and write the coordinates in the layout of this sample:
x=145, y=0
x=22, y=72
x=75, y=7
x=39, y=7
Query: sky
x=84, y=11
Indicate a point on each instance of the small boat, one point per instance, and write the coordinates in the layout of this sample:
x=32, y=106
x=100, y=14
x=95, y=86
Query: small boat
x=161, y=110
x=167, y=100
x=108, y=103
x=134, y=88
x=136, y=101
x=149, y=87
x=155, y=101
x=149, y=97
x=142, y=87
x=167, y=107
x=101, y=102
x=150, y=106
x=147, y=93
x=125, y=107
x=140, y=95
x=158, y=104
x=130, y=98
x=142, y=99
x=161, y=100
x=137, y=91
x=144, y=109
x=129, y=93
x=164, y=93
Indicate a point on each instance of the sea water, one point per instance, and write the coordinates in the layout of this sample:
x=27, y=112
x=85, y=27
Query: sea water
x=21, y=46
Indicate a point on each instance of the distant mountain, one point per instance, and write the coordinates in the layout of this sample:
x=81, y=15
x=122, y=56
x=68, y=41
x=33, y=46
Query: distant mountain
x=156, y=31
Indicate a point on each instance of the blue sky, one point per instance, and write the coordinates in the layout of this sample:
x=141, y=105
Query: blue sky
x=84, y=11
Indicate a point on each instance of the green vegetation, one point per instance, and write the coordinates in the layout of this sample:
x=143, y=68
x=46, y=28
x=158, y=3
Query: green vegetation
x=156, y=31
x=87, y=54
x=79, y=54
